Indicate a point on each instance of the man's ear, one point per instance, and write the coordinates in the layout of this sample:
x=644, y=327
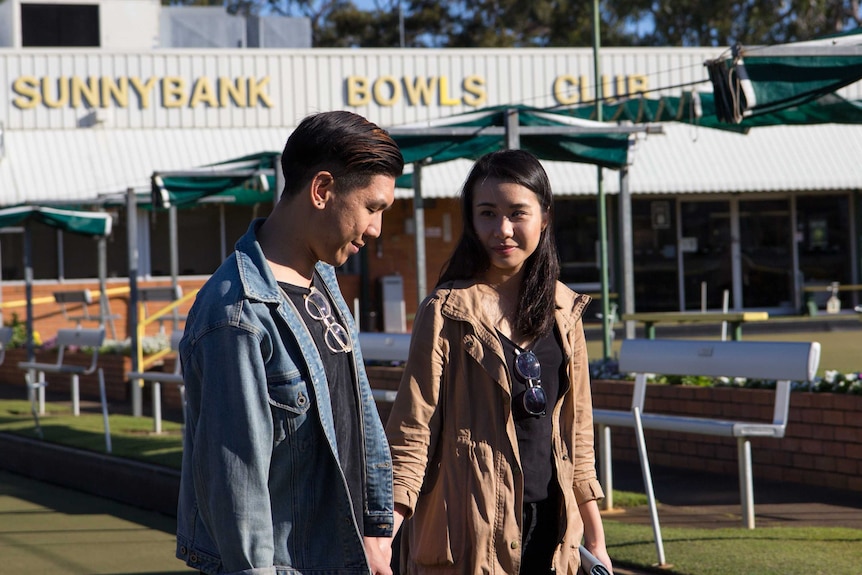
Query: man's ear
x=321, y=188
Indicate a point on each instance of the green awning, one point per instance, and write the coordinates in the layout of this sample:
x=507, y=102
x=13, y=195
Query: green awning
x=764, y=80
x=246, y=180
x=699, y=108
x=78, y=222
x=550, y=135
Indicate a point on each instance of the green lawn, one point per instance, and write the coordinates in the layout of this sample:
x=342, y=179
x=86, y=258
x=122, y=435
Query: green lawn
x=131, y=437
x=690, y=551
x=762, y=551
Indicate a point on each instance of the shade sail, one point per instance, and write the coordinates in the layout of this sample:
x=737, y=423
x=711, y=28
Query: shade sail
x=79, y=222
x=245, y=180
x=763, y=80
x=699, y=108
x=547, y=134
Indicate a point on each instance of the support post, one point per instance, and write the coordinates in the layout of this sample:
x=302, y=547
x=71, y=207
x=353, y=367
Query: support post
x=746, y=482
x=132, y=323
x=419, y=225
x=650, y=492
x=627, y=240
x=606, y=471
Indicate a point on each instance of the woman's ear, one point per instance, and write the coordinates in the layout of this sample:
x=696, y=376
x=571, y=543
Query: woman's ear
x=321, y=188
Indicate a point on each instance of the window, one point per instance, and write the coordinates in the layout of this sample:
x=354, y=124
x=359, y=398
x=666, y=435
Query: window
x=54, y=25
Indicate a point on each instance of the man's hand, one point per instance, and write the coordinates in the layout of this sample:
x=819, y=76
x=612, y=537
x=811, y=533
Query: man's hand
x=378, y=550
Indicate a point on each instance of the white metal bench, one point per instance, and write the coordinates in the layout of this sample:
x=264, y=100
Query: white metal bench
x=84, y=298
x=35, y=373
x=79, y=337
x=5, y=337
x=780, y=361
x=377, y=346
x=164, y=294
x=159, y=377
x=81, y=297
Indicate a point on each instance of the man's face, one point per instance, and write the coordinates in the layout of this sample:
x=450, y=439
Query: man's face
x=353, y=217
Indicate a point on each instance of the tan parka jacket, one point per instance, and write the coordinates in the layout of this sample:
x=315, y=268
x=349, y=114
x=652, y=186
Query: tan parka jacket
x=455, y=457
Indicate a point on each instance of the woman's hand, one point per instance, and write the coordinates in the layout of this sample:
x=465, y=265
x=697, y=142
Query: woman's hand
x=378, y=550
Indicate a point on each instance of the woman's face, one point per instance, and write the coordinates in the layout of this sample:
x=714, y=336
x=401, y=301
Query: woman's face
x=509, y=221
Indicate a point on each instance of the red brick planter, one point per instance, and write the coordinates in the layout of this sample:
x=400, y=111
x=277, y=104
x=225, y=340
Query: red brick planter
x=822, y=445
x=114, y=366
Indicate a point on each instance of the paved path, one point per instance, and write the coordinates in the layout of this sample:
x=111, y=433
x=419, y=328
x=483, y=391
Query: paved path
x=45, y=529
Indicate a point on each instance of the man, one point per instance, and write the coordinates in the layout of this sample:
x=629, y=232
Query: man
x=285, y=464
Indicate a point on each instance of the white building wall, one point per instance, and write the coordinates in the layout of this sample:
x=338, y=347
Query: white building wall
x=129, y=24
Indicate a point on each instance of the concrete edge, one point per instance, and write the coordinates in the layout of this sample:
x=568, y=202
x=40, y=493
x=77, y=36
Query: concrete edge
x=135, y=483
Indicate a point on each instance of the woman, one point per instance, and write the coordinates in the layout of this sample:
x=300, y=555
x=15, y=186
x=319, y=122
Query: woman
x=492, y=431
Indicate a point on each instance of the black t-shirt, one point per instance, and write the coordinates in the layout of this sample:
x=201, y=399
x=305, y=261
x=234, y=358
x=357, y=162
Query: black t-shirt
x=535, y=432
x=343, y=394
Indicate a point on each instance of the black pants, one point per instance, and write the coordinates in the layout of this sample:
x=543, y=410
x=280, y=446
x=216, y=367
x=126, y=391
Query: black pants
x=540, y=535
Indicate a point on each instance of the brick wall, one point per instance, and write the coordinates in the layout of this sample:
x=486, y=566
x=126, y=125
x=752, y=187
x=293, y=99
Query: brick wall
x=822, y=444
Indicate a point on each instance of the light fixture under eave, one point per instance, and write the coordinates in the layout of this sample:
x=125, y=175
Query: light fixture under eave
x=263, y=181
x=160, y=197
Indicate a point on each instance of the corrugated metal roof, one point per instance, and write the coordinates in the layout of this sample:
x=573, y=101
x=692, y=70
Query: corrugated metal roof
x=686, y=159
x=79, y=165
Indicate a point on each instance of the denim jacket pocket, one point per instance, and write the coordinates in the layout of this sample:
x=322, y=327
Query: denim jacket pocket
x=291, y=394
x=291, y=401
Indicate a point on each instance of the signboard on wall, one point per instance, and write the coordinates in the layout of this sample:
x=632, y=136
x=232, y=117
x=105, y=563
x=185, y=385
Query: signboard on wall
x=49, y=88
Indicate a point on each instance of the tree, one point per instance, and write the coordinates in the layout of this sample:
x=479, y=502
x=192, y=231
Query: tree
x=726, y=22
x=557, y=23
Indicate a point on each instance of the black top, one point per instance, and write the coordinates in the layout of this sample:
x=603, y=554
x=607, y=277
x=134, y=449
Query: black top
x=342, y=393
x=535, y=432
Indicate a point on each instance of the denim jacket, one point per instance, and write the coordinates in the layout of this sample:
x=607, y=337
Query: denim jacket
x=262, y=491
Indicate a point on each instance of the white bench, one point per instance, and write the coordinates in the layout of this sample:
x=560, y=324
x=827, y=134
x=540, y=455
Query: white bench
x=35, y=374
x=378, y=346
x=79, y=337
x=84, y=298
x=165, y=294
x=780, y=361
x=159, y=377
x=6, y=334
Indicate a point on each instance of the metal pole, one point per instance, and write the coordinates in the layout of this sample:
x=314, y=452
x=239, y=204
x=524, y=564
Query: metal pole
x=419, y=221
x=648, y=486
x=513, y=137
x=104, y=302
x=401, y=23
x=627, y=240
x=602, y=208
x=28, y=290
x=175, y=259
x=132, y=323
x=279, y=180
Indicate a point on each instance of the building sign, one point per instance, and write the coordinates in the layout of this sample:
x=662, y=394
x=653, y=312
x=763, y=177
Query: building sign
x=472, y=90
x=247, y=92
x=168, y=92
x=188, y=89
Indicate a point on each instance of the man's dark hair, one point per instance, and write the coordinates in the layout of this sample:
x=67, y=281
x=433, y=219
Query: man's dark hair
x=470, y=259
x=343, y=143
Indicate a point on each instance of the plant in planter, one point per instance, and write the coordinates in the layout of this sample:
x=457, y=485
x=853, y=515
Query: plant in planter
x=832, y=381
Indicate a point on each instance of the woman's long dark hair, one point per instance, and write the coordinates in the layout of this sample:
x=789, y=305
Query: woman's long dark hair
x=542, y=268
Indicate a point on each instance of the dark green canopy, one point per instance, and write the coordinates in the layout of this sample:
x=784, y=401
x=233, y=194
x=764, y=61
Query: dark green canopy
x=698, y=108
x=548, y=134
x=79, y=222
x=765, y=79
x=246, y=180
